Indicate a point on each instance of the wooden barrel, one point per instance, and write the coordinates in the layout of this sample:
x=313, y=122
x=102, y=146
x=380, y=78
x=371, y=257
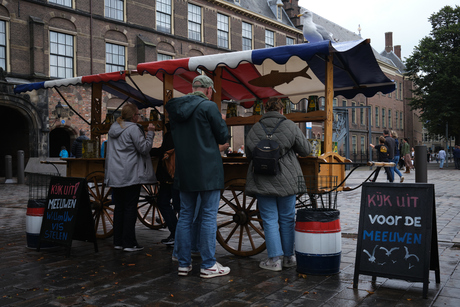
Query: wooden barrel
x=318, y=242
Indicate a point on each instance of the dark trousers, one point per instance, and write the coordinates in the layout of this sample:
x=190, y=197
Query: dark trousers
x=125, y=200
x=457, y=163
x=387, y=171
x=165, y=194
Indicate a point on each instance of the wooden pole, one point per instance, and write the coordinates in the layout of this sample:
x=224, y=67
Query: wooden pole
x=329, y=95
x=96, y=108
x=168, y=93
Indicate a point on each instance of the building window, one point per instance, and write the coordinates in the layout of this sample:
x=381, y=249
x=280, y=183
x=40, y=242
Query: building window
x=247, y=36
x=344, y=103
x=164, y=16
x=361, y=114
x=114, y=57
x=400, y=91
x=279, y=12
x=384, y=123
x=3, y=44
x=354, y=146
x=401, y=120
x=114, y=9
x=163, y=57
x=377, y=116
x=396, y=91
x=194, y=22
x=61, y=55
x=222, y=31
x=62, y=2
x=390, y=124
x=363, y=145
x=396, y=119
x=334, y=102
x=269, y=39
x=289, y=41
x=353, y=112
x=370, y=116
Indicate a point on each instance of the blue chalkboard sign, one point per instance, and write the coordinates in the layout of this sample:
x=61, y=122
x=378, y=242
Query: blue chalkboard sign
x=67, y=214
x=397, y=235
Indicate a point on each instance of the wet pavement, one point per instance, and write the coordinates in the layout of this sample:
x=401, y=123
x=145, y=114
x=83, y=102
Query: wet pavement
x=149, y=277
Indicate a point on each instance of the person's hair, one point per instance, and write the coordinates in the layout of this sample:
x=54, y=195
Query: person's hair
x=394, y=134
x=127, y=113
x=385, y=131
x=382, y=139
x=406, y=139
x=62, y=147
x=273, y=104
x=82, y=132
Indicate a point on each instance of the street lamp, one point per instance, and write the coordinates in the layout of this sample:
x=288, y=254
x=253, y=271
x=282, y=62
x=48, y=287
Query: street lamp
x=58, y=109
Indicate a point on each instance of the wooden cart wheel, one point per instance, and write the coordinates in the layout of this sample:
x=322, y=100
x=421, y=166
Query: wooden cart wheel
x=147, y=209
x=101, y=199
x=239, y=226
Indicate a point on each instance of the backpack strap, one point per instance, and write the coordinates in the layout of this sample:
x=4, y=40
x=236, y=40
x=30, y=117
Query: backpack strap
x=269, y=135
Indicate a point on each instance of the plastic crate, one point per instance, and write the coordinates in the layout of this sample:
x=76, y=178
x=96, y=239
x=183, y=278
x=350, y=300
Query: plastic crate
x=39, y=184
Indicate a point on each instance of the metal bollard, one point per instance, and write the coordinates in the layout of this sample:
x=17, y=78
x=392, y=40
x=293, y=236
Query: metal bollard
x=8, y=169
x=420, y=163
x=20, y=169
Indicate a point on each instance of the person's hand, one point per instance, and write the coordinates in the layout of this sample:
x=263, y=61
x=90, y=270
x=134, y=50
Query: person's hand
x=224, y=117
x=223, y=147
x=151, y=127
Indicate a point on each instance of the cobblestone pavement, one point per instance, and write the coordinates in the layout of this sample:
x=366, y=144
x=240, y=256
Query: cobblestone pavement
x=149, y=277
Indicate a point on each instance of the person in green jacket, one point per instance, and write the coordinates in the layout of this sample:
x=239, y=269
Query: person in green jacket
x=405, y=153
x=197, y=128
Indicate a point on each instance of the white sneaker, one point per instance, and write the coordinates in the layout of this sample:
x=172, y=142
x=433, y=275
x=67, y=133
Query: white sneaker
x=402, y=179
x=271, y=265
x=216, y=270
x=133, y=249
x=289, y=262
x=183, y=271
x=174, y=258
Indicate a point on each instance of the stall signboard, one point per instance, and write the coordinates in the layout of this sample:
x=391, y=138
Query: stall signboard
x=397, y=236
x=67, y=215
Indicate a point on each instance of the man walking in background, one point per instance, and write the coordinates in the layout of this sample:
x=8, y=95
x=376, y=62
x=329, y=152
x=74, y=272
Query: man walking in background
x=405, y=153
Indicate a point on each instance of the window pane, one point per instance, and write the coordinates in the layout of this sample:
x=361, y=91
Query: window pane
x=269, y=39
x=194, y=22
x=114, y=9
x=3, y=44
x=114, y=57
x=62, y=2
x=61, y=55
x=247, y=36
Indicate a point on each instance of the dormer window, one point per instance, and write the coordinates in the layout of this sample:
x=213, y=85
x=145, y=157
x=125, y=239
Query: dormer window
x=279, y=10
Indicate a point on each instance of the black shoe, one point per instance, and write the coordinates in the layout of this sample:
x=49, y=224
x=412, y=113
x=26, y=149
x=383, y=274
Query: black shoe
x=168, y=241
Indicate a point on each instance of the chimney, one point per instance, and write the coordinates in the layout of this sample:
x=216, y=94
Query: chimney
x=388, y=41
x=398, y=51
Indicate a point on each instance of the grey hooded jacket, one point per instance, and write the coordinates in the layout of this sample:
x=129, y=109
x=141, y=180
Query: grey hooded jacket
x=291, y=141
x=128, y=160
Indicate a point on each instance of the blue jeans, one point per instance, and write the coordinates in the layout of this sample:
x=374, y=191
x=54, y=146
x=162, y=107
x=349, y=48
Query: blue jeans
x=396, y=170
x=442, y=163
x=195, y=248
x=278, y=216
x=208, y=210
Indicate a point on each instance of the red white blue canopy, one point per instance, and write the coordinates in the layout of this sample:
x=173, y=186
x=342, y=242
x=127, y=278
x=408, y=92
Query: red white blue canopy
x=244, y=74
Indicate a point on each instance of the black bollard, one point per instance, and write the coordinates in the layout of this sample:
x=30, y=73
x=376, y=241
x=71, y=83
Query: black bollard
x=420, y=163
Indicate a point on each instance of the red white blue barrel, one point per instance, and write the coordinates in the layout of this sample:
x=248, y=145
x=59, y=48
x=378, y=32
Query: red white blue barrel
x=34, y=217
x=318, y=242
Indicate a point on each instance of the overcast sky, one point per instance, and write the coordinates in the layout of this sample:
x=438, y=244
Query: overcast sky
x=407, y=19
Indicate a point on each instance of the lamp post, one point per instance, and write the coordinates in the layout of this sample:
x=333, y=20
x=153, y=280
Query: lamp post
x=58, y=109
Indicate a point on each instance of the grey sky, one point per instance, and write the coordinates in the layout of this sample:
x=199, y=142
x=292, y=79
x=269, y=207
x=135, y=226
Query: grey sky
x=407, y=19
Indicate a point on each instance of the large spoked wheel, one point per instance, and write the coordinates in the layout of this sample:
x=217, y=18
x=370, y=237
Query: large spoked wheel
x=101, y=199
x=239, y=226
x=147, y=209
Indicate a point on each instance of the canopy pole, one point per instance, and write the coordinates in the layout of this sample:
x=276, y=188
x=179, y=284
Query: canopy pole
x=217, y=96
x=96, y=108
x=329, y=96
x=168, y=93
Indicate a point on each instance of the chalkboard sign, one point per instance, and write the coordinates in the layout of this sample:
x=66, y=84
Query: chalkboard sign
x=67, y=214
x=397, y=236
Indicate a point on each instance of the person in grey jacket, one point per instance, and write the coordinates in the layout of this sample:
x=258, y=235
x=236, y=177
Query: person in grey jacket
x=276, y=194
x=127, y=166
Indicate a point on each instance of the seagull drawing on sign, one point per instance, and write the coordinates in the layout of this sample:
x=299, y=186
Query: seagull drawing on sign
x=371, y=257
x=411, y=266
x=388, y=252
x=311, y=31
x=275, y=78
x=407, y=256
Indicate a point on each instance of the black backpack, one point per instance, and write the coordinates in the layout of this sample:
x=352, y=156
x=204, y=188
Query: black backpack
x=266, y=155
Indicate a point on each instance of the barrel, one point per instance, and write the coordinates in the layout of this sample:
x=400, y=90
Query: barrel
x=34, y=217
x=318, y=244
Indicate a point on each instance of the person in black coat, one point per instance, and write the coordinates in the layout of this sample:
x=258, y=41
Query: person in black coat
x=77, y=145
x=167, y=192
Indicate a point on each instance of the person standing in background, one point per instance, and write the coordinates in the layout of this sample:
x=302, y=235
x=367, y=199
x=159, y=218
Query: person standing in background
x=390, y=144
x=457, y=156
x=63, y=153
x=442, y=157
x=405, y=153
x=77, y=146
x=396, y=159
